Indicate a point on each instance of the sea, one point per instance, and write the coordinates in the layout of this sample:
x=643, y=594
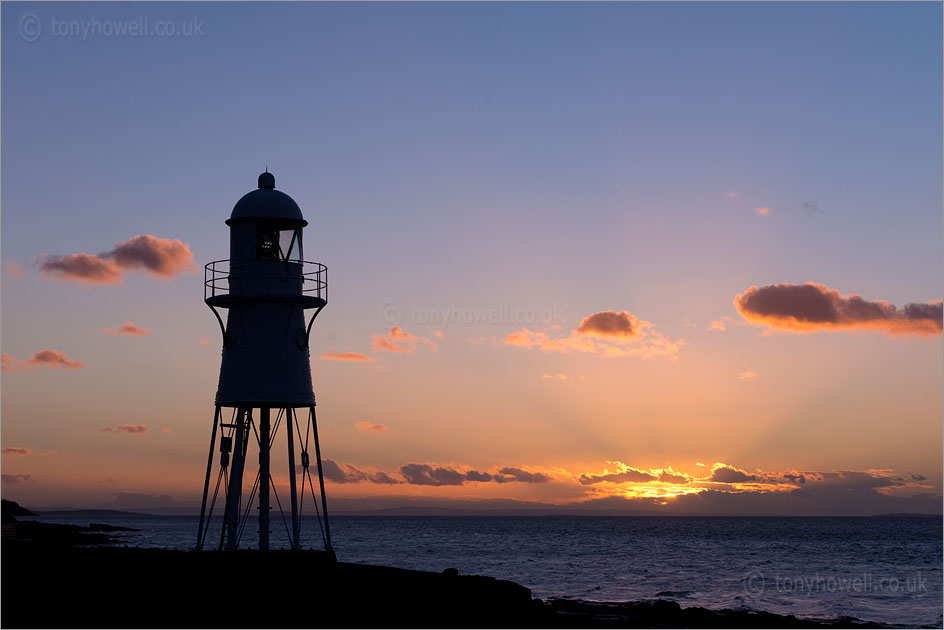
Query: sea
x=880, y=569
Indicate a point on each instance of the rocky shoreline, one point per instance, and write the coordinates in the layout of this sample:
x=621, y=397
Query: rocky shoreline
x=59, y=576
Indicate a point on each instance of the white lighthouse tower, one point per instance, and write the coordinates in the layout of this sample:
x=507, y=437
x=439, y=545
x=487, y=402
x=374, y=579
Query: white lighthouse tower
x=266, y=286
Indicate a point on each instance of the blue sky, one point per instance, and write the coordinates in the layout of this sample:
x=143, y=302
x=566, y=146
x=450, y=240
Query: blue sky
x=577, y=157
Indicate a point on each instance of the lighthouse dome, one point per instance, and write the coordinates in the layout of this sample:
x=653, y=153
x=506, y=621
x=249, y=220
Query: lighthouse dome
x=266, y=204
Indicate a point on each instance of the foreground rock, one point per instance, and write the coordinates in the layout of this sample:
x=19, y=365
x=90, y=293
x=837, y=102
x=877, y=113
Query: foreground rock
x=52, y=587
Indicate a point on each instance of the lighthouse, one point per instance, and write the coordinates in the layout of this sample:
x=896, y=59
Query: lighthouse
x=270, y=296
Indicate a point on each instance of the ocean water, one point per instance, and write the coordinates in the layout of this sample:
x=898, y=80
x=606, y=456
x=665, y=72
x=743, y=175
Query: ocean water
x=883, y=569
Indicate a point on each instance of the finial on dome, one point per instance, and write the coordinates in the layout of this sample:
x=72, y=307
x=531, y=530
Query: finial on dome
x=267, y=179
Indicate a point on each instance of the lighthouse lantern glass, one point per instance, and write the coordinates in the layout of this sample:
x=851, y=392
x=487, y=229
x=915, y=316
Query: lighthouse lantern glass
x=290, y=244
x=273, y=242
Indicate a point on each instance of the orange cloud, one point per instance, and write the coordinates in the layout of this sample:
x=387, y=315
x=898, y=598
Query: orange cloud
x=716, y=325
x=432, y=475
x=812, y=307
x=11, y=270
x=12, y=450
x=608, y=333
x=400, y=341
x=135, y=429
x=367, y=426
x=628, y=474
x=725, y=473
x=160, y=257
x=129, y=329
x=610, y=324
x=763, y=211
x=746, y=375
x=204, y=342
x=43, y=358
x=346, y=356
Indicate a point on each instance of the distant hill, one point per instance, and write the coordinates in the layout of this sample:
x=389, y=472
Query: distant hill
x=90, y=513
x=12, y=509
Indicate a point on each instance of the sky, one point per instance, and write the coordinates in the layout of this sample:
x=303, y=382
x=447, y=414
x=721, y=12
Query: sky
x=682, y=257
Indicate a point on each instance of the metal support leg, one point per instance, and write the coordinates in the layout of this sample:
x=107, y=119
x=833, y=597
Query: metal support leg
x=236, y=481
x=290, y=430
x=264, y=436
x=206, y=484
x=324, y=502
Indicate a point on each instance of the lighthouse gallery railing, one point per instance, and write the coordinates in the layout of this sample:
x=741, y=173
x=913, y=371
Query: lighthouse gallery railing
x=278, y=276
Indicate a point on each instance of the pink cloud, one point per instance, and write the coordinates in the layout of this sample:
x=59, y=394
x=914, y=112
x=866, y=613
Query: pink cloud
x=716, y=325
x=346, y=356
x=43, y=358
x=11, y=270
x=134, y=429
x=17, y=478
x=763, y=211
x=204, y=342
x=129, y=329
x=160, y=257
x=367, y=426
x=747, y=375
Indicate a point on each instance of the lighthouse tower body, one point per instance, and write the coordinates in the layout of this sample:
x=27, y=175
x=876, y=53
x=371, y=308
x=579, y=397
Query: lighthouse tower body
x=265, y=345
x=267, y=290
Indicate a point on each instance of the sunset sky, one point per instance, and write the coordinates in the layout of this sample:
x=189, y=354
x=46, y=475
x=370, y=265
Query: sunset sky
x=683, y=254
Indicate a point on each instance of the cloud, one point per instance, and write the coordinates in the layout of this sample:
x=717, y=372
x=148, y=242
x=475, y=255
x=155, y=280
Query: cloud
x=346, y=356
x=731, y=194
x=11, y=271
x=135, y=429
x=352, y=474
x=812, y=207
x=630, y=475
x=747, y=375
x=812, y=307
x=560, y=377
x=17, y=478
x=509, y=473
x=400, y=341
x=43, y=358
x=607, y=333
x=763, y=211
x=670, y=476
x=716, y=325
x=204, y=342
x=159, y=257
x=367, y=426
x=610, y=324
x=426, y=475
x=13, y=450
x=723, y=473
x=432, y=475
x=132, y=330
